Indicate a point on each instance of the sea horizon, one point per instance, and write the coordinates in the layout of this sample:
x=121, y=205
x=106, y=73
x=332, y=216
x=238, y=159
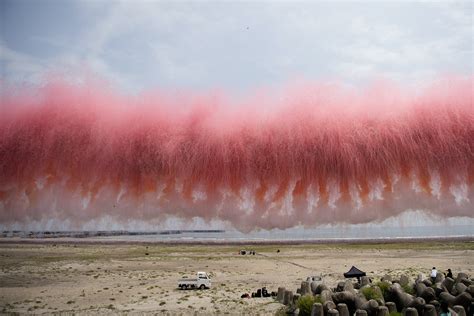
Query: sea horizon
x=293, y=235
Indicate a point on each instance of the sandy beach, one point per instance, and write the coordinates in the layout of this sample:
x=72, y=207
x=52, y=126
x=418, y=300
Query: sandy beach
x=142, y=278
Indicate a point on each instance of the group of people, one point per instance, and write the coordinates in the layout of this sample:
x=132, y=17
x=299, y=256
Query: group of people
x=434, y=273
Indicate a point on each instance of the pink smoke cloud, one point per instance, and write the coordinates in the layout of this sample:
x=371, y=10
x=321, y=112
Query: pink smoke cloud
x=311, y=154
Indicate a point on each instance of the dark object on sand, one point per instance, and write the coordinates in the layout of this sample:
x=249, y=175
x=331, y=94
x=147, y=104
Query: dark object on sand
x=263, y=293
x=278, y=250
x=354, y=273
x=245, y=295
x=243, y=252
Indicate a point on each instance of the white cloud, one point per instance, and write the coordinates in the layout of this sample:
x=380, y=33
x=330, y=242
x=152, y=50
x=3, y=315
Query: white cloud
x=239, y=45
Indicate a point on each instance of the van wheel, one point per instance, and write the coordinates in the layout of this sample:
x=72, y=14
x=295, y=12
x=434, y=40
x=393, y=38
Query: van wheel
x=202, y=287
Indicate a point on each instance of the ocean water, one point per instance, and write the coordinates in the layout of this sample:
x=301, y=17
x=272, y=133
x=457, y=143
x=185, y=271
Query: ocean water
x=339, y=233
x=315, y=234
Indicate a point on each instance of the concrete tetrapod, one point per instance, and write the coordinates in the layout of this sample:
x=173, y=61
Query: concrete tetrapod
x=459, y=310
x=318, y=288
x=287, y=297
x=360, y=312
x=402, y=299
x=346, y=297
x=382, y=311
x=463, y=299
x=343, y=310
x=305, y=288
x=448, y=283
x=333, y=312
x=328, y=305
x=427, y=293
x=392, y=307
x=317, y=310
x=404, y=280
x=410, y=311
x=462, y=275
x=364, y=281
x=280, y=294
x=348, y=286
x=458, y=288
x=326, y=295
x=429, y=310
x=418, y=303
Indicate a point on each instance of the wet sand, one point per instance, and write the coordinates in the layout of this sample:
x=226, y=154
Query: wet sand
x=81, y=277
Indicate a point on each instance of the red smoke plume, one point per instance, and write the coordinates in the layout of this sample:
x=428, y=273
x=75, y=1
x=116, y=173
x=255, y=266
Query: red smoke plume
x=312, y=155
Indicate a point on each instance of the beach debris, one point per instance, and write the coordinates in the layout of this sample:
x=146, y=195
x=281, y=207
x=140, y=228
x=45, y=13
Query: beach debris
x=245, y=252
x=263, y=292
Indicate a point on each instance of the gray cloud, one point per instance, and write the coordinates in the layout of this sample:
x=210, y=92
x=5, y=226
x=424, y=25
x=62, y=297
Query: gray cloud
x=236, y=45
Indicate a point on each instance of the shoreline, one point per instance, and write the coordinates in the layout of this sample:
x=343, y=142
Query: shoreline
x=329, y=241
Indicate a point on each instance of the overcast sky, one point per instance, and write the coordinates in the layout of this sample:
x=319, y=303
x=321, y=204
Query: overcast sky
x=232, y=44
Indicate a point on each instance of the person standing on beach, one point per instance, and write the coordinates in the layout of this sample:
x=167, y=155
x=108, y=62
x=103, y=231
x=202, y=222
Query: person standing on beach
x=434, y=272
x=450, y=274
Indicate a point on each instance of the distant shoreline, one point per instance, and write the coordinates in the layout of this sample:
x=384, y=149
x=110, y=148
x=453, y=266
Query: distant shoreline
x=223, y=242
x=104, y=233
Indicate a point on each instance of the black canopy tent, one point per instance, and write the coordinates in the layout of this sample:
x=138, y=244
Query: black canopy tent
x=354, y=273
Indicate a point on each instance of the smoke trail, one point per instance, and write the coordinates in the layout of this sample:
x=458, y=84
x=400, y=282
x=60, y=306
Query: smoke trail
x=313, y=155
